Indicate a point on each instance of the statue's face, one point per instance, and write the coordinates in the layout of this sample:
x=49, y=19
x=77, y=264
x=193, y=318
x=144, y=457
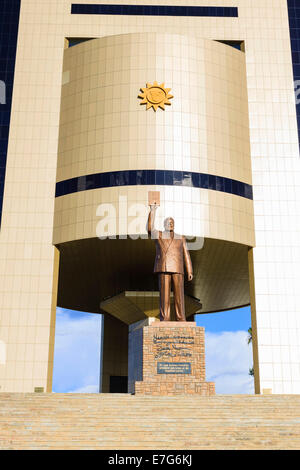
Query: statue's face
x=169, y=224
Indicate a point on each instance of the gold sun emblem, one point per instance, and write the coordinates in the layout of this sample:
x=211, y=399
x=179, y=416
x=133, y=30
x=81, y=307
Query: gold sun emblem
x=156, y=96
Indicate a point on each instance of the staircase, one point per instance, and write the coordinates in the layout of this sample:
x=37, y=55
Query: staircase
x=121, y=421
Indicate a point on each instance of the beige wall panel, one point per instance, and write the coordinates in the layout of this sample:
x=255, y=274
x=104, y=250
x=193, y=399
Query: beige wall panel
x=115, y=211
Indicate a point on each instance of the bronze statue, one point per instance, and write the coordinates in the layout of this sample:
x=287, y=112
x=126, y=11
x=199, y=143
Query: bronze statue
x=171, y=255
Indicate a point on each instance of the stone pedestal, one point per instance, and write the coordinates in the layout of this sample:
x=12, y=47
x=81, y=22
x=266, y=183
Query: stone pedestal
x=167, y=358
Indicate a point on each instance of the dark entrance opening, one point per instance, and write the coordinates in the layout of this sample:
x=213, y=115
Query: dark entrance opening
x=118, y=384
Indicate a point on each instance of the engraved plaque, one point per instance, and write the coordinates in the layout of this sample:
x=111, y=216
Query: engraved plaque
x=174, y=368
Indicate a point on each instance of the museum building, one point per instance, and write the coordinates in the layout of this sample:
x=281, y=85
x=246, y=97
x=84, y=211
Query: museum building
x=102, y=103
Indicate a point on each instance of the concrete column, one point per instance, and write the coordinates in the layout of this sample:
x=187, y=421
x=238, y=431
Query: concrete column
x=253, y=323
x=115, y=350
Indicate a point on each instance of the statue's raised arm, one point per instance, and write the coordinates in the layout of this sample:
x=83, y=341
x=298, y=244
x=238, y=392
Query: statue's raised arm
x=151, y=220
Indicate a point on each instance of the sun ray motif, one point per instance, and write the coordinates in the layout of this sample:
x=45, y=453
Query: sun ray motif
x=155, y=96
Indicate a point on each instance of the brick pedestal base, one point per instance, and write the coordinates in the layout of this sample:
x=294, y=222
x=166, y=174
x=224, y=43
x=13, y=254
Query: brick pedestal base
x=167, y=358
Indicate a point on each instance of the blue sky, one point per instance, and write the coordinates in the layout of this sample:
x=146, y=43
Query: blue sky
x=77, y=351
x=230, y=320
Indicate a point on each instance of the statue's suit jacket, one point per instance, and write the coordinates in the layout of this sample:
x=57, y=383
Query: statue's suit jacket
x=171, y=254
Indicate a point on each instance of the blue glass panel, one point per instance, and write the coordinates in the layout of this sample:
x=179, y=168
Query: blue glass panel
x=141, y=177
x=211, y=182
x=204, y=181
x=150, y=177
x=177, y=178
x=132, y=178
x=158, y=177
x=248, y=191
x=169, y=178
x=234, y=185
x=228, y=185
x=220, y=183
x=9, y=25
x=187, y=178
x=153, y=10
x=196, y=180
x=294, y=21
x=105, y=180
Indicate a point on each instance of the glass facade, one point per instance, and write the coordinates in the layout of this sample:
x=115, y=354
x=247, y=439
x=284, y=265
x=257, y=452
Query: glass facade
x=152, y=10
x=9, y=25
x=153, y=177
x=294, y=20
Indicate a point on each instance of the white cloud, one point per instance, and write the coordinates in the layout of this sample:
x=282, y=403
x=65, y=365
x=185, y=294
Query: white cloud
x=228, y=359
x=77, y=352
x=77, y=356
x=87, y=389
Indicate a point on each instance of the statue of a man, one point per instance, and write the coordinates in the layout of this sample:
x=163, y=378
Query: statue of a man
x=171, y=255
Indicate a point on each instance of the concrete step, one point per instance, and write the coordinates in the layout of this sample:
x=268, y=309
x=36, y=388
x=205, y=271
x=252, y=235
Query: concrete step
x=120, y=421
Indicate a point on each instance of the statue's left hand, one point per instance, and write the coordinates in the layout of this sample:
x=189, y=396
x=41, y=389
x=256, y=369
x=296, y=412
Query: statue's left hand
x=190, y=277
